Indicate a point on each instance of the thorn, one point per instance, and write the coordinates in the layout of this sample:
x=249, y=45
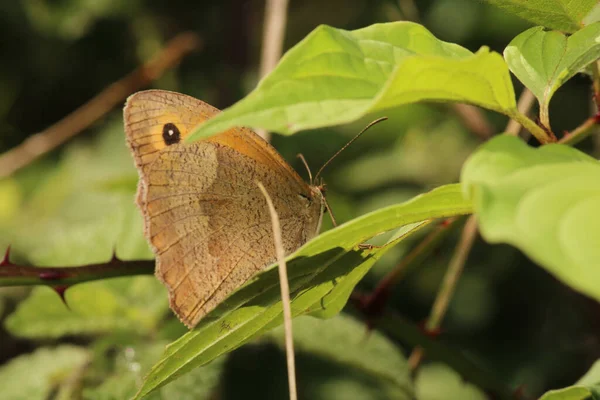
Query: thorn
x=445, y=223
x=5, y=260
x=114, y=257
x=60, y=291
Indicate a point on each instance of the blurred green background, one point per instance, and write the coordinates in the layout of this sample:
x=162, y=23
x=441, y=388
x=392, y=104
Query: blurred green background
x=75, y=206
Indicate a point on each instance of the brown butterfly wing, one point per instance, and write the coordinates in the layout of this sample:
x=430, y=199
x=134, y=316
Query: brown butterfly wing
x=204, y=216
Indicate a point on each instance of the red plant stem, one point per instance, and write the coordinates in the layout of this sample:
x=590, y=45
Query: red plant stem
x=21, y=275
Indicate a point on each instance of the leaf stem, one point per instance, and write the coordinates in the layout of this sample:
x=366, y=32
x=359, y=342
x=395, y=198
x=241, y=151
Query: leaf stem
x=540, y=133
x=455, y=268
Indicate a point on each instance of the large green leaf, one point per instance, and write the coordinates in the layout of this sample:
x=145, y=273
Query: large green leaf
x=564, y=15
x=133, y=361
x=544, y=60
x=134, y=304
x=543, y=201
x=588, y=387
x=373, y=360
x=83, y=212
x=34, y=376
x=322, y=275
x=335, y=76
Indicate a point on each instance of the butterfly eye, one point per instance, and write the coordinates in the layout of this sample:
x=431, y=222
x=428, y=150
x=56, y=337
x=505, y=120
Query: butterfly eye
x=171, y=134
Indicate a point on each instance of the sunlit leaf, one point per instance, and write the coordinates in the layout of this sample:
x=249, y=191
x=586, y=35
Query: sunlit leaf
x=564, y=15
x=34, y=376
x=544, y=60
x=322, y=275
x=124, y=304
x=543, y=201
x=335, y=76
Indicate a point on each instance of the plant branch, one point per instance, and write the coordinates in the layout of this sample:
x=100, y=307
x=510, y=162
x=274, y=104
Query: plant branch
x=455, y=268
x=285, y=295
x=526, y=101
x=53, y=136
x=540, y=133
x=474, y=120
x=581, y=132
x=596, y=83
x=22, y=275
x=272, y=45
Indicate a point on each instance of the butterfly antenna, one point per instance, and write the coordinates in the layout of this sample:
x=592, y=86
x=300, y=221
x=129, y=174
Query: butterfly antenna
x=330, y=212
x=348, y=144
x=301, y=157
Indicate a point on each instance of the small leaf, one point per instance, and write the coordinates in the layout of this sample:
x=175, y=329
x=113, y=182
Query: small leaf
x=588, y=387
x=124, y=304
x=563, y=15
x=321, y=276
x=335, y=76
x=544, y=60
x=34, y=376
x=437, y=381
x=543, y=201
x=341, y=340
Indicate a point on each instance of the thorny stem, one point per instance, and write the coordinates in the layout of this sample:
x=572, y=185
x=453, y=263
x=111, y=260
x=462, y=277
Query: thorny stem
x=22, y=275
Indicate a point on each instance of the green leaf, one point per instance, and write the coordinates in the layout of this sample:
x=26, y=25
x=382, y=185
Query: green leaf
x=563, y=15
x=322, y=275
x=544, y=60
x=341, y=340
x=84, y=212
x=543, y=201
x=34, y=376
x=124, y=304
x=335, y=76
x=588, y=387
x=133, y=362
x=437, y=381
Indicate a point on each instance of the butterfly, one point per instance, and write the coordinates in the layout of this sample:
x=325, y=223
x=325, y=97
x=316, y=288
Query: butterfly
x=205, y=218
